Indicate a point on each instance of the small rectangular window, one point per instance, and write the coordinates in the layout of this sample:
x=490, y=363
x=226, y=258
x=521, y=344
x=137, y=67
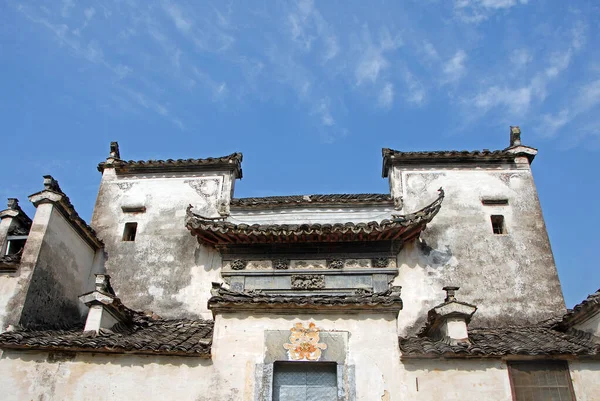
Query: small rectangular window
x=498, y=224
x=540, y=381
x=494, y=202
x=15, y=244
x=129, y=232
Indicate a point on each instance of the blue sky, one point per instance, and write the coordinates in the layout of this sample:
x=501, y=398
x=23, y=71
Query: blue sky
x=310, y=92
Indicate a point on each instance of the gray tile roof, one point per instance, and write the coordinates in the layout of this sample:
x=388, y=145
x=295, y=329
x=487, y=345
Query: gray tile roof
x=223, y=298
x=145, y=336
x=391, y=156
x=229, y=162
x=499, y=342
x=404, y=227
x=66, y=208
x=306, y=200
x=582, y=311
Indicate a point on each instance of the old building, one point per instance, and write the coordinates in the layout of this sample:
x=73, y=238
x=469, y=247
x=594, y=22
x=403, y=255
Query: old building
x=443, y=289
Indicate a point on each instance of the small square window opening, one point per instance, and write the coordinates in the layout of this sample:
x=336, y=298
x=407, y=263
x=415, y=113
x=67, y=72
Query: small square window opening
x=129, y=231
x=14, y=246
x=498, y=226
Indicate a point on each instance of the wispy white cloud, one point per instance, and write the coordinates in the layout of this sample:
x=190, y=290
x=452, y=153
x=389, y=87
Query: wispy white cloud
x=386, y=96
x=454, y=68
x=475, y=11
x=373, y=60
x=518, y=99
x=430, y=51
x=149, y=104
x=218, y=89
x=307, y=26
x=89, y=13
x=520, y=57
x=322, y=110
x=67, y=5
x=214, y=33
x=586, y=99
x=416, y=92
x=177, y=16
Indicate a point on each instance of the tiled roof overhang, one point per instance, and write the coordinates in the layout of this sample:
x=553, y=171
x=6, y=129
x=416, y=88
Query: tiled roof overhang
x=232, y=162
x=504, y=343
x=313, y=200
x=404, y=228
x=183, y=337
x=391, y=157
x=230, y=301
x=54, y=194
x=581, y=312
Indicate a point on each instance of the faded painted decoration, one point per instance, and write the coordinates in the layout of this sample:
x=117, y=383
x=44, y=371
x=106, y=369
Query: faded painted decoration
x=304, y=343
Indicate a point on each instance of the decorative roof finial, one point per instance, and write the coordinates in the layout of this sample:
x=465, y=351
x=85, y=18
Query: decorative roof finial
x=13, y=203
x=515, y=135
x=114, y=150
x=450, y=293
x=51, y=184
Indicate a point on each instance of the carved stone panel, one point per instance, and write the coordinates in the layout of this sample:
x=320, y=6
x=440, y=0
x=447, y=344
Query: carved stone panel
x=380, y=262
x=238, y=264
x=335, y=263
x=281, y=264
x=308, y=281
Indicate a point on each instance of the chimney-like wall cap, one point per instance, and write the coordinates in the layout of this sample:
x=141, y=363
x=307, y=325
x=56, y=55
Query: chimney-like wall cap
x=450, y=293
x=515, y=135
x=114, y=150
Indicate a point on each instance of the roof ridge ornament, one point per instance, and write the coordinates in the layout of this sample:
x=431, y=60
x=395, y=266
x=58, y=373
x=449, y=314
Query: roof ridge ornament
x=50, y=184
x=114, y=150
x=450, y=293
x=515, y=135
x=13, y=203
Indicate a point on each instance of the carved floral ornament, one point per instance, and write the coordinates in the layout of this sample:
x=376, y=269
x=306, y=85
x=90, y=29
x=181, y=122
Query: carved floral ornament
x=304, y=343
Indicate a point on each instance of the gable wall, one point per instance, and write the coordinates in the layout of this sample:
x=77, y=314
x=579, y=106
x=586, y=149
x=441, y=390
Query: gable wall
x=165, y=269
x=511, y=278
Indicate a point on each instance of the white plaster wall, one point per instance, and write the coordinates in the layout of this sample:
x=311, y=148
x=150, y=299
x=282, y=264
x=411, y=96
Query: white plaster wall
x=5, y=224
x=69, y=256
x=9, y=284
x=164, y=269
x=586, y=379
x=511, y=278
x=380, y=375
x=14, y=286
x=312, y=215
x=97, y=377
x=372, y=348
x=458, y=380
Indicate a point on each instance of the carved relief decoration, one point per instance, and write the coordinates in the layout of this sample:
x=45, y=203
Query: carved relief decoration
x=281, y=264
x=418, y=183
x=125, y=186
x=238, y=264
x=335, y=263
x=304, y=343
x=380, y=262
x=308, y=281
x=208, y=189
x=205, y=188
x=506, y=177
